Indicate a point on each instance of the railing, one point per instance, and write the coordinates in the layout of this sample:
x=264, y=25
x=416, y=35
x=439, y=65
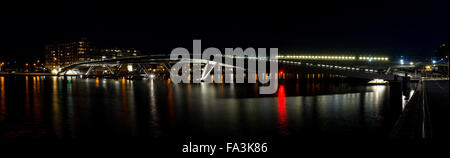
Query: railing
x=414, y=122
x=434, y=78
x=425, y=114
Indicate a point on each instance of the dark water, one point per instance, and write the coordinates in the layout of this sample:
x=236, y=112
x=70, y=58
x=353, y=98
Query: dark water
x=72, y=108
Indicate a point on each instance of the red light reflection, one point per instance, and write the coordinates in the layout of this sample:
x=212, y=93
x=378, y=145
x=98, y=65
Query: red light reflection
x=282, y=116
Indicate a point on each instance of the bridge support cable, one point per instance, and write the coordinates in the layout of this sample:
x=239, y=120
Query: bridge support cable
x=207, y=69
x=142, y=69
x=117, y=69
x=109, y=69
x=89, y=70
x=167, y=66
x=388, y=70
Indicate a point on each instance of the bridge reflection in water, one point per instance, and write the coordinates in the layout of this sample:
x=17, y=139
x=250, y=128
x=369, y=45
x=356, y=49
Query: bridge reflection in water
x=54, y=107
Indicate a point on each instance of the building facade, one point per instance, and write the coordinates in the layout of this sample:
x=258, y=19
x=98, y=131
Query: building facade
x=442, y=52
x=66, y=53
x=112, y=53
x=62, y=54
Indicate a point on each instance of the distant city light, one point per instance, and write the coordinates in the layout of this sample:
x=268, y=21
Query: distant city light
x=428, y=68
x=434, y=61
x=310, y=57
x=401, y=62
x=411, y=63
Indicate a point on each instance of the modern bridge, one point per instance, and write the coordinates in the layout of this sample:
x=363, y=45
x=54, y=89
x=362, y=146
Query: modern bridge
x=350, y=66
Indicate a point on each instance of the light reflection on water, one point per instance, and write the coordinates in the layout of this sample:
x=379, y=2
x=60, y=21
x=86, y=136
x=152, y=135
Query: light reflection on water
x=2, y=99
x=282, y=118
x=55, y=107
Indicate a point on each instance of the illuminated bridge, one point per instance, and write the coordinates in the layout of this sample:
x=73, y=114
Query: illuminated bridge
x=366, y=67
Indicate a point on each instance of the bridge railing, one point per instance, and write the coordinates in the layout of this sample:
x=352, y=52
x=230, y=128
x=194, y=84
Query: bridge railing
x=344, y=70
x=414, y=122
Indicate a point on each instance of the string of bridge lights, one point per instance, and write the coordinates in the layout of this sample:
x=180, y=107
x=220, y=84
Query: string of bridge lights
x=309, y=57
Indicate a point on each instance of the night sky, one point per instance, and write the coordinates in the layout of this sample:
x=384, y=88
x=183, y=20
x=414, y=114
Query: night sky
x=368, y=27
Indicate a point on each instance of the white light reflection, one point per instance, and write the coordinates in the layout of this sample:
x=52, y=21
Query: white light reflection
x=154, y=122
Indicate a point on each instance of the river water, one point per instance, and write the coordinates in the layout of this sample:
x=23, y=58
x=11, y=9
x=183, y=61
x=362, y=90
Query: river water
x=46, y=107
